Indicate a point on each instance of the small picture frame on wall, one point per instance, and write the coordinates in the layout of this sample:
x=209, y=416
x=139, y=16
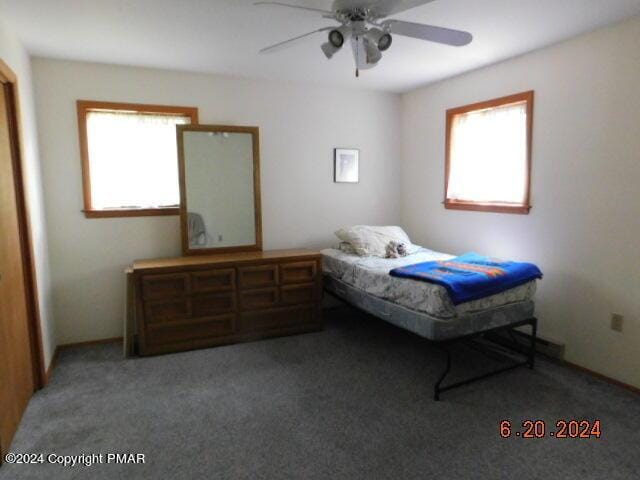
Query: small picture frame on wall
x=346, y=165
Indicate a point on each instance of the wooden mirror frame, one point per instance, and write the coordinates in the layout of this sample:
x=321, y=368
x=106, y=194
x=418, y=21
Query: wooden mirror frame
x=255, y=135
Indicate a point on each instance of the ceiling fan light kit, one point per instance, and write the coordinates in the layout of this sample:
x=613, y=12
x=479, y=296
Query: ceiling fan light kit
x=362, y=23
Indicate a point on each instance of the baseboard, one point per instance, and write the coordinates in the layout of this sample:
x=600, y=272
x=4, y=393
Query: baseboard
x=602, y=377
x=91, y=342
x=52, y=365
x=555, y=351
x=56, y=353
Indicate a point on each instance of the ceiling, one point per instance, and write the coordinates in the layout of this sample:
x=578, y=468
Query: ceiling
x=224, y=36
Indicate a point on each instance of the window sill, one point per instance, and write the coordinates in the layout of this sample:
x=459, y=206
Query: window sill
x=131, y=212
x=488, y=207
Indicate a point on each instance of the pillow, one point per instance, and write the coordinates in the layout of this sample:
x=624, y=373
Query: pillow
x=369, y=240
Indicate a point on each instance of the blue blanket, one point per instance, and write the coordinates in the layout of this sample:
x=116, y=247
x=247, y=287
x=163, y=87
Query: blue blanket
x=471, y=276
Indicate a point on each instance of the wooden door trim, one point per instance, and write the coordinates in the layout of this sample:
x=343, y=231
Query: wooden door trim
x=9, y=78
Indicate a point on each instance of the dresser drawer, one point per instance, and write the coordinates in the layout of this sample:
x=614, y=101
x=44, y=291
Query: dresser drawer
x=298, y=294
x=175, y=332
x=298, y=272
x=261, y=298
x=260, y=276
x=278, y=318
x=220, y=280
x=213, y=304
x=165, y=310
x=165, y=285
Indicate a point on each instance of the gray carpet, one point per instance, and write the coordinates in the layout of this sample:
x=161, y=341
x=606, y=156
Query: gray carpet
x=353, y=401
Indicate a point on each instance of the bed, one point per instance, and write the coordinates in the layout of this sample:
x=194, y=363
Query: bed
x=425, y=308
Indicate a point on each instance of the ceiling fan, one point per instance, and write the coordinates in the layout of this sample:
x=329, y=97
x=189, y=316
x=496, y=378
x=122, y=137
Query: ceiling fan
x=362, y=22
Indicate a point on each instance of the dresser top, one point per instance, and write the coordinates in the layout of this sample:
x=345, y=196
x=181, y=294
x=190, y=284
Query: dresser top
x=223, y=258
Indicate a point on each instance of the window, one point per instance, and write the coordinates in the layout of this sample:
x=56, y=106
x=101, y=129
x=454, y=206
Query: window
x=129, y=158
x=488, y=158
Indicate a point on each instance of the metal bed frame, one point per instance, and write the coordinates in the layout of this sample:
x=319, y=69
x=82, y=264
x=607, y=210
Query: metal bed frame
x=494, y=347
x=516, y=347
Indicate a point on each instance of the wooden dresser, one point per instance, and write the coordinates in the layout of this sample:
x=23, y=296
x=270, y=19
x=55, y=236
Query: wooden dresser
x=201, y=301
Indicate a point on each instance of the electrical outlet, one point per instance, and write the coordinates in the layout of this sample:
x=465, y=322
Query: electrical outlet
x=617, y=322
x=219, y=238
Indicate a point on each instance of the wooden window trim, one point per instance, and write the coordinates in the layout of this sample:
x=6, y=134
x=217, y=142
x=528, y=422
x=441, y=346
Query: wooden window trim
x=83, y=108
x=522, y=209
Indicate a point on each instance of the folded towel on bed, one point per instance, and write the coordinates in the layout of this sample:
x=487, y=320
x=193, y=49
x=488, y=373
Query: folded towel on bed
x=471, y=276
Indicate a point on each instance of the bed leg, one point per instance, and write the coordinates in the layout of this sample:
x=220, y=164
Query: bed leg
x=532, y=350
x=436, y=388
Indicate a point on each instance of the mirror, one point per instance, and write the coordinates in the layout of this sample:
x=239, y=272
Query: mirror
x=219, y=188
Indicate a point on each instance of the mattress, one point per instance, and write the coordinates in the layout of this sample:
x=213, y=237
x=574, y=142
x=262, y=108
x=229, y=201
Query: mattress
x=371, y=275
x=428, y=326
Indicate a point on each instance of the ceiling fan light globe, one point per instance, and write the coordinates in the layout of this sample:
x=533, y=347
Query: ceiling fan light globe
x=336, y=38
x=380, y=38
x=373, y=54
x=328, y=50
x=384, y=42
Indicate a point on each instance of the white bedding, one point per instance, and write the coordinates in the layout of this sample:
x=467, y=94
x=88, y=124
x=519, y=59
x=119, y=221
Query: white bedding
x=371, y=274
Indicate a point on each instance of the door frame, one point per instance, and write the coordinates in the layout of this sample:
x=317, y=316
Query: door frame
x=9, y=78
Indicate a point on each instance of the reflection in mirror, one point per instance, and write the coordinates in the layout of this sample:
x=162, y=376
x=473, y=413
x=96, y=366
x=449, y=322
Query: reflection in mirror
x=219, y=200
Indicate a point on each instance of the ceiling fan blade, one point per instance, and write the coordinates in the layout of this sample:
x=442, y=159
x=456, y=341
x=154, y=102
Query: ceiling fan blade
x=456, y=38
x=281, y=45
x=299, y=7
x=384, y=8
x=381, y=8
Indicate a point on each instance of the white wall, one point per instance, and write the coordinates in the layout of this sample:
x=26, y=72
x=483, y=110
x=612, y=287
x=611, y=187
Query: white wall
x=14, y=55
x=584, y=228
x=301, y=206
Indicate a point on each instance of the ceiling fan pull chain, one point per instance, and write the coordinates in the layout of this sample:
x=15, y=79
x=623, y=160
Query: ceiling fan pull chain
x=357, y=56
